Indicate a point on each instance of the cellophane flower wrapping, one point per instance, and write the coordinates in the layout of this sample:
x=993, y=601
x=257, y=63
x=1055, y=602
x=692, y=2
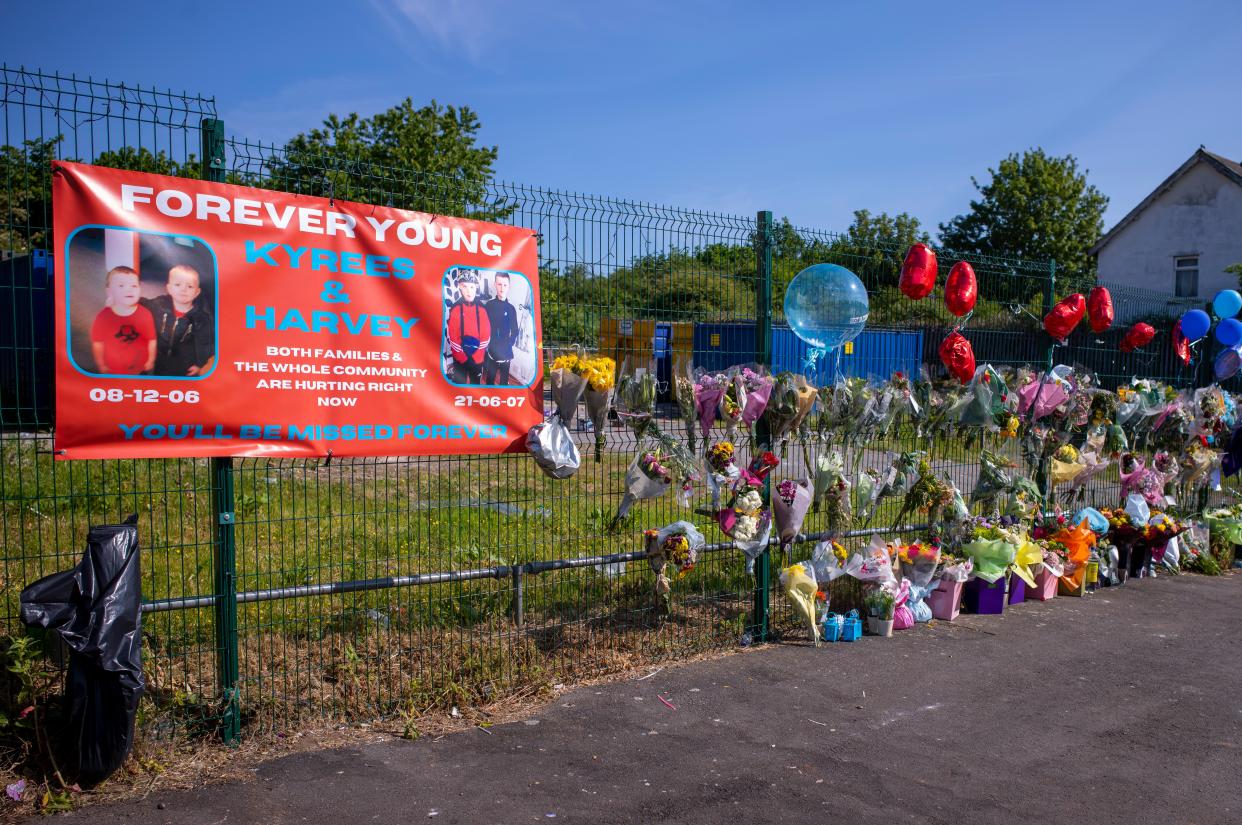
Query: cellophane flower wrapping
x=919, y=564
x=807, y=396
x=1046, y=393
x=986, y=396
x=646, y=477
x=993, y=480
x=991, y=557
x=829, y=560
x=903, y=472
x=1078, y=541
x=781, y=410
x=672, y=551
x=721, y=470
x=874, y=564
x=790, y=502
x=683, y=385
x=955, y=568
x=709, y=390
x=867, y=484
x=1224, y=524
x=903, y=615
x=567, y=387
x=597, y=403
x=755, y=390
x=1027, y=560
x=636, y=398
x=798, y=582
x=553, y=448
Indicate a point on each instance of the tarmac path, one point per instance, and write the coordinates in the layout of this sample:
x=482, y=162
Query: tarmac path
x=1122, y=707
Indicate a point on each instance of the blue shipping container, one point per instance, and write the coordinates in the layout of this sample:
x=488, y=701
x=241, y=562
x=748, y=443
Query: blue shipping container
x=874, y=353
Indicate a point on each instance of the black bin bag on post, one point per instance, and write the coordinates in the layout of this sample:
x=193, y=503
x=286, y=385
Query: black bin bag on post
x=96, y=609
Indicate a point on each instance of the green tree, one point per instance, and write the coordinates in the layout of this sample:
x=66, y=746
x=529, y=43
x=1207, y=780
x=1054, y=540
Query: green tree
x=26, y=195
x=426, y=159
x=1235, y=269
x=142, y=159
x=1035, y=207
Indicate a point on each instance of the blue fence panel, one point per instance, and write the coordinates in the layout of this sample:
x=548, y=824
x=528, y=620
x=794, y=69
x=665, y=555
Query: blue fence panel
x=874, y=353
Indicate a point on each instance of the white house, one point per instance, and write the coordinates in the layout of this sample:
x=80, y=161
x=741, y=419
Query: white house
x=1179, y=240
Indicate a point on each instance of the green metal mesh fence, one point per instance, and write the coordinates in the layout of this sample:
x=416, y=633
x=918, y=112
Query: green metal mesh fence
x=380, y=588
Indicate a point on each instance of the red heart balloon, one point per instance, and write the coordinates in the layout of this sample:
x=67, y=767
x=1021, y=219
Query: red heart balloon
x=1060, y=322
x=1139, y=335
x=918, y=273
x=1181, y=346
x=1100, y=309
x=958, y=356
x=961, y=290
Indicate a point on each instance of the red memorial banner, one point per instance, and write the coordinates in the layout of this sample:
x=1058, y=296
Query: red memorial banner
x=205, y=319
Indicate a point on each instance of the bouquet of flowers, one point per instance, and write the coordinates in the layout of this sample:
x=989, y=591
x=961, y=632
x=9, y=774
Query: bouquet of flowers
x=829, y=560
x=1137, y=477
x=1078, y=541
x=954, y=567
x=807, y=395
x=1115, y=441
x=1103, y=408
x=1092, y=466
x=832, y=492
x=877, y=415
x=789, y=506
x=874, y=564
x=1064, y=465
x=847, y=400
x=672, y=551
x=782, y=406
x=747, y=520
x=919, y=564
x=929, y=495
x=902, y=473
x=1036, y=399
x=1173, y=429
x=905, y=401
x=992, y=549
x=601, y=377
x=986, y=397
x=1209, y=407
x=683, y=389
x=709, y=390
x=798, y=582
x=568, y=384
x=867, y=484
x=754, y=390
x=721, y=470
x=636, y=398
x=993, y=480
x=660, y=462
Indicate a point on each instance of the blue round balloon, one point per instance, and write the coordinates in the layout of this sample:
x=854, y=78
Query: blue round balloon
x=826, y=305
x=1229, y=332
x=1195, y=324
x=1227, y=363
x=1227, y=303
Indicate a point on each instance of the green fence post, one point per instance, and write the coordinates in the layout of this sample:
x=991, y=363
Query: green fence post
x=763, y=355
x=222, y=507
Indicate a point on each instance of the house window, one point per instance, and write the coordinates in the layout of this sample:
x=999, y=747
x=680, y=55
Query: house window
x=1186, y=269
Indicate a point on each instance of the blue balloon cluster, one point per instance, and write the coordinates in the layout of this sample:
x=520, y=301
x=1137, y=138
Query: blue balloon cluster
x=826, y=305
x=1226, y=304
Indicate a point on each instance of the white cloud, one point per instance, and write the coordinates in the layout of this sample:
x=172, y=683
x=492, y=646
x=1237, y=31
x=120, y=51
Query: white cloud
x=465, y=27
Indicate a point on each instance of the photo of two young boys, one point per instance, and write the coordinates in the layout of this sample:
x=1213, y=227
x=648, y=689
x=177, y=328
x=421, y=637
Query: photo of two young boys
x=123, y=324
x=480, y=332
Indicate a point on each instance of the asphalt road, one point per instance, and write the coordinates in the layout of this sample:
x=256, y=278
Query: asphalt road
x=1122, y=707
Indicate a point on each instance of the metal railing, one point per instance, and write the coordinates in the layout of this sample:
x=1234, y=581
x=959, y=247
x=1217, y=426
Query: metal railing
x=283, y=589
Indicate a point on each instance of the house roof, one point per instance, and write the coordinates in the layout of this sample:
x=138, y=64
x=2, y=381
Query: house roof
x=1231, y=169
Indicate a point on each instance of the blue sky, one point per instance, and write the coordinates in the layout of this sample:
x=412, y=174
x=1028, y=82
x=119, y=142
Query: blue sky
x=811, y=110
